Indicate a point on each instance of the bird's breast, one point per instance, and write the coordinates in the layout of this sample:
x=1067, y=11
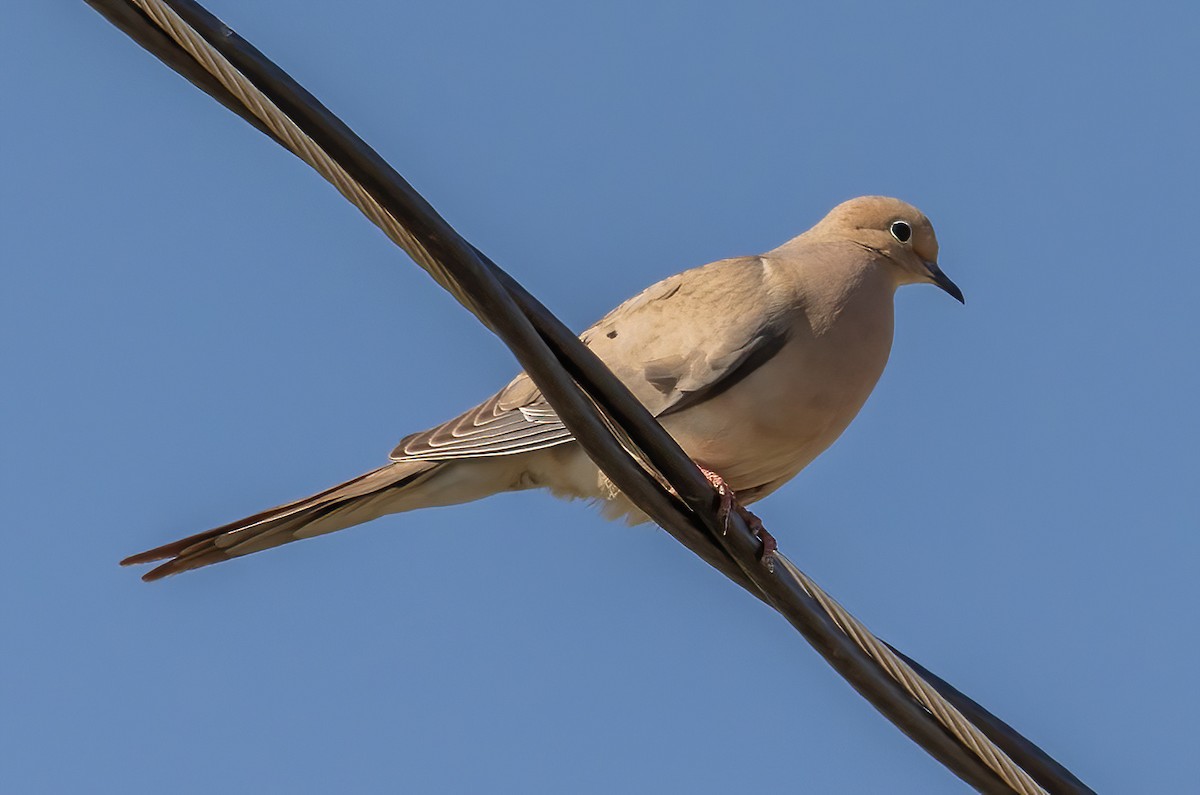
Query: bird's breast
x=778, y=419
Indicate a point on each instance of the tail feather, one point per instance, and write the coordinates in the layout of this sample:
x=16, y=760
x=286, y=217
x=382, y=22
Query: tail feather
x=358, y=500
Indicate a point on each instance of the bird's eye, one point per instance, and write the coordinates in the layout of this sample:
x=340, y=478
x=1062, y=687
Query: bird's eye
x=901, y=231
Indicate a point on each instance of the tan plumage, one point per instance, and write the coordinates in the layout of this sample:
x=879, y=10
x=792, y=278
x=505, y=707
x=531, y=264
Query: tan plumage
x=755, y=365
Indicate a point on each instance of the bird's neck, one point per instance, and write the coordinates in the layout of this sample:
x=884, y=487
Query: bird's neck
x=847, y=286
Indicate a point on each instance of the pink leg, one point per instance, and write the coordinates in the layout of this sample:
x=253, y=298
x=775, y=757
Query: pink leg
x=729, y=503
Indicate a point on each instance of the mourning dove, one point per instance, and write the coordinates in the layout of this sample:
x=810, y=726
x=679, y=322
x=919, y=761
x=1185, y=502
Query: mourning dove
x=755, y=365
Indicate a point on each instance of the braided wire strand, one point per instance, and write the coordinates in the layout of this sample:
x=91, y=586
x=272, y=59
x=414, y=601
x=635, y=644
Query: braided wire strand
x=918, y=688
x=301, y=144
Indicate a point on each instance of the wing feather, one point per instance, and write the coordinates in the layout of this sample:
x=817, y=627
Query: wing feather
x=515, y=420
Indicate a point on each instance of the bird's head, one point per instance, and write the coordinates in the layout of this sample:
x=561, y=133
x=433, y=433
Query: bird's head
x=897, y=231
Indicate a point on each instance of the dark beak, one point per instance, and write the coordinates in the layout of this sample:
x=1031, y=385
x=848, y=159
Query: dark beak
x=943, y=281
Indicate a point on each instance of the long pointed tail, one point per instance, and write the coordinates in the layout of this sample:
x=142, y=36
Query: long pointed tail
x=358, y=500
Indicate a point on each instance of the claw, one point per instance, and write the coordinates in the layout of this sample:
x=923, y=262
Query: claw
x=724, y=494
x=729, y=503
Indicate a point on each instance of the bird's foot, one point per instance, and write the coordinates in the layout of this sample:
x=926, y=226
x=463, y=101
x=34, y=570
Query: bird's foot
x=724, y=494
x=728, y=504
x=769, y=545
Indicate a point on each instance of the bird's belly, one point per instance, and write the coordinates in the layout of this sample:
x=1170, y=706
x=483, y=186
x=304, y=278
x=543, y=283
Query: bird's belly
x=774, y=423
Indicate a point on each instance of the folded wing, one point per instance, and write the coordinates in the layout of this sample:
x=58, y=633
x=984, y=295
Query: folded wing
x=679, y=342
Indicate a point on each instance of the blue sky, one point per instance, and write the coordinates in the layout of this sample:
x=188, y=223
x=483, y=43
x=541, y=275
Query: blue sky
x=196, y=327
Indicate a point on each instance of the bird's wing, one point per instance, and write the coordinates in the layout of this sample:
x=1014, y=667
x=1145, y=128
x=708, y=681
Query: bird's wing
x=517, y=419
x=683, y=340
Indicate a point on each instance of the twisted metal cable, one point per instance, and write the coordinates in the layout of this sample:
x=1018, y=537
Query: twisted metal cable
x=918, y=688
x=291, y=136
x=297, y=141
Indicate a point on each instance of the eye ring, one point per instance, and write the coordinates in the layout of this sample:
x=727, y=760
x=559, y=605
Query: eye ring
x=901, y=231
